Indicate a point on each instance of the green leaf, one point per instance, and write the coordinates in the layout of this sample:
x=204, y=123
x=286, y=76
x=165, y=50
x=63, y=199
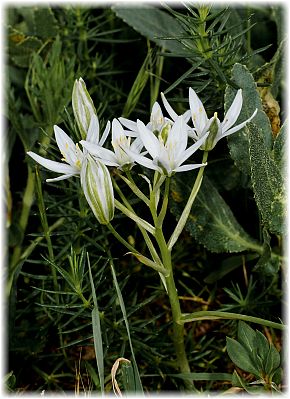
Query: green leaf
x=153, y=24
x=97, y=333
x=240, y=357
x=272, y=361
x=267, y=182
x=239, y=142
x=211, y=221
x=45, y=24
x=21, y=47
x=203, y=376
x=137, y=380
x=246, y=336
x=261, y=346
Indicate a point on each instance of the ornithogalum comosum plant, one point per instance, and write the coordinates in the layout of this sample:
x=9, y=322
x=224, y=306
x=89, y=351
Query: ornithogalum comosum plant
x=164, y=145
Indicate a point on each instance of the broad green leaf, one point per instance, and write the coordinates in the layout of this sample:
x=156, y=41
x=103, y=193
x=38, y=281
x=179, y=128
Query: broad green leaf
x=211, y=221
x=246, y=336
x=272, y=361
x=21, y=47
x=45, y=24
x=261, y=346
x=239, y=142
x=152, y=23
x=240, y=357
x=267, y=182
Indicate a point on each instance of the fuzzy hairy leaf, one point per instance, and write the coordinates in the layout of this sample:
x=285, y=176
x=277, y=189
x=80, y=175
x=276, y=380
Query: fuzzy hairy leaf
x=211, y=221
x=267, y=182
x=152, y=23
x=239, y=142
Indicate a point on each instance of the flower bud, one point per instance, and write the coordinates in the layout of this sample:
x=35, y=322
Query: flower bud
x=83, y=107
x=213, y=131
x=98, y=189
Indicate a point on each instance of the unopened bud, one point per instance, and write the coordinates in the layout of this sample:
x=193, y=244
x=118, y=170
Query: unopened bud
x=98, y=189
x=83, y=107
x=213, y=131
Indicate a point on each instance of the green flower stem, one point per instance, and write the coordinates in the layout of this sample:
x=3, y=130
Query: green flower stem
x=162, y=213
x=178, y=328
x=186, y=211
x=130, y=182
x=154, y=265
x=146, y=237
x=216, y=315
x=132, y=215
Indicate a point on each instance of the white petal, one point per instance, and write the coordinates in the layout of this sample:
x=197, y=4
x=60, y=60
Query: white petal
x=105, y=134
x=198, y=114
x=177, y=137
x=107, y=156
x=151, y=143
x=190, y=166
x=94, y=129
x=156, y=118
x=240, y=126
x=129, y=124
x=54, y=166
x=63, y=177
x=190, y=150
x=233, y=112
x=66, y=146
x=117, y=131
x=148, y=163
x=168, y=108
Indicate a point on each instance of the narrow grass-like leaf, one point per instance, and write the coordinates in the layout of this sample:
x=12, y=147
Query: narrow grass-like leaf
x=97, y=333
x=138, y=384
x=203, y=376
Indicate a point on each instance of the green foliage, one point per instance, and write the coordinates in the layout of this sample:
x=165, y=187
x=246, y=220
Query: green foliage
x=267, y=181
x=63, y=316
x=211, y=222
x=253, y=353
x=153, y=23
x=239, y=142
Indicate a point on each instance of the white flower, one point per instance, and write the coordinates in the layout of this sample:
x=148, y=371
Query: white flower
x=203, y=125
x=124, y=152
x=98, y=189
x=72, y=157
x=71, y=153
x=168, y=149
x=157, y=120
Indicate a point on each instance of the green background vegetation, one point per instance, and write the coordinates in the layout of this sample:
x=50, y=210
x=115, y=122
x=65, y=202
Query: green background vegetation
x=229, y=258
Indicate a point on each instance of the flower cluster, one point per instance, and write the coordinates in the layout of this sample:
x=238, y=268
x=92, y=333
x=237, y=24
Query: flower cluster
x=161, y=144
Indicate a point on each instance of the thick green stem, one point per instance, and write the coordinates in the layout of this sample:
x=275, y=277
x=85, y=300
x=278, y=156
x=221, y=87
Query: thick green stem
x=178, y=329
